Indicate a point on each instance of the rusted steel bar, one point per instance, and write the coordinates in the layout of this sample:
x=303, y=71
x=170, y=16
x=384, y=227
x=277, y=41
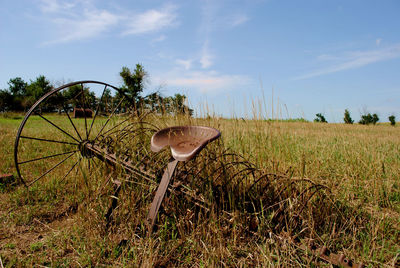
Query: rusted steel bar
x=161, y=190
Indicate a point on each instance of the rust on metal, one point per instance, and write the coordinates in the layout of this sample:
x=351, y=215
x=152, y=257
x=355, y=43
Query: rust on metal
x=81, y=113
x=6, y=177
x=185, y=142
x=158, y=198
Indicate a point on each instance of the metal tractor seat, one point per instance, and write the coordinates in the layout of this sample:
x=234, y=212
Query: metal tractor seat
x=185, y=142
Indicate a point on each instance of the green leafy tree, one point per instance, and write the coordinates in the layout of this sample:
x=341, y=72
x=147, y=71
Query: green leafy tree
x=347, y=118
x=134, y=83
x=17, y=89
x=6, y=101
x=375, y=119
x=320, y=118
x=367, y=119
x=73, y=97
x=36, y=89
x=392, y=120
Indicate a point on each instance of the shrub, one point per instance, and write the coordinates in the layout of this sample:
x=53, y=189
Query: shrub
x=367, y=119
x=347, y=118
x=392, y=120
x=320, y=118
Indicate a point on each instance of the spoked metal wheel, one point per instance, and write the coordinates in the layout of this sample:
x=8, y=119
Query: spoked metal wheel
x=53, y=139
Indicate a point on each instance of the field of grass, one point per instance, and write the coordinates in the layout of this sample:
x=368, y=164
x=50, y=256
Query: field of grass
x=336, y=184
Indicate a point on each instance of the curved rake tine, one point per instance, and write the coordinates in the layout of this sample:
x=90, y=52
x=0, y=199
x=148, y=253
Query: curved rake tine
x=45, y=157
x=108, y=119
x=105, y=133
x=72, y=123
x=47, y=120
x=40, y=139
x=97, y=110
x=51, y=169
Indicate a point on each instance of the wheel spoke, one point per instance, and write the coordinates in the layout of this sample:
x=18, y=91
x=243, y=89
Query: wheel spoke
x=108, y=119
x=114, y=127
x=39, y=139
x=84, y=110
x=70, y=120
x=45, y=157
x=63, y=131
x=69, y=171
x=97, y=110
x=51, y=169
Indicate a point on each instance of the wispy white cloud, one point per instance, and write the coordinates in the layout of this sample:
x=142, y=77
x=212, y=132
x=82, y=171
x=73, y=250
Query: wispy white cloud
x=206, y=58
x=187, y=64
x=239, y=19
x=92, y=24
x=378, y=41
x=80, y=19
x=152, y=20
x=353, y=60
x=55, y=6
x=159, y=39
x=204, y=81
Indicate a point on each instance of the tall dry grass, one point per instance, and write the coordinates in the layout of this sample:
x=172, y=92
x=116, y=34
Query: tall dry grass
x=239, y=203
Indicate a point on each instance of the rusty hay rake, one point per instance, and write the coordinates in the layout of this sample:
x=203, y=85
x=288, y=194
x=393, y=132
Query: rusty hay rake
x=90, y=130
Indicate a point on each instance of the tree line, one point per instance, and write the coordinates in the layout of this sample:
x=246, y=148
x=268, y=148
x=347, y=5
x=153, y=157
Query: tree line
x=21, y=95
x=366, y=119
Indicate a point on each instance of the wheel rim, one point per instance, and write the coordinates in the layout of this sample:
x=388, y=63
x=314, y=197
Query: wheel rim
x=58, y=148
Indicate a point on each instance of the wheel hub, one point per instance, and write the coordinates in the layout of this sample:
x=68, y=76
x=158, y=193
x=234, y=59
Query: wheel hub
x=84, y=149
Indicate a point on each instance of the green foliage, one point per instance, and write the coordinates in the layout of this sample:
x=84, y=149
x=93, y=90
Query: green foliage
x=367, y=119
x=347, y=118
x=6, y=101
x=392, y=120
x=134, y=83
x=17, y=90
x=36, y=89
x=20, y=96
x=320, y=118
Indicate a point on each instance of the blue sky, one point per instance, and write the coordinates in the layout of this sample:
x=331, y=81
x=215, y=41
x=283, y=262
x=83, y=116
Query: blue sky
x=305, y=57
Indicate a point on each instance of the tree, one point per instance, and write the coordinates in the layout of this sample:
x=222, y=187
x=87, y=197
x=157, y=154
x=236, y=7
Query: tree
x=6, y=101
x=134, y=83
x=36, y=89
x=367, y=119
x=375, y=119
x=392, y=120
x=17, y=86
x=347, y=118
x=320, y=118
x=72, y=97
x=17, y=89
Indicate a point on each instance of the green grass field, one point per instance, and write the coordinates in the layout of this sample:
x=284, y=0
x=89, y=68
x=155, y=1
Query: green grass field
x=356, y=210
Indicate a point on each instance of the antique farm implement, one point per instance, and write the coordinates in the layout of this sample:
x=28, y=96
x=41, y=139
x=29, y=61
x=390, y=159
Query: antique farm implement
x=81, y=139
x=90, y=123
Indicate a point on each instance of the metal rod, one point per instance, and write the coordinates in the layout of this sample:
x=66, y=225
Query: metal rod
x=65, y=110
x=48, y=171
x=108, y=119
x=47, y=120
x=84, y=110
x=39, y=139
x=45, y=157
x=69, y=171
x=97, y=110
x=158, y=198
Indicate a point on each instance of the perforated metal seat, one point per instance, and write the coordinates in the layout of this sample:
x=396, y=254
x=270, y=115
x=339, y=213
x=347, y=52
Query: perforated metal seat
x=185, y=141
